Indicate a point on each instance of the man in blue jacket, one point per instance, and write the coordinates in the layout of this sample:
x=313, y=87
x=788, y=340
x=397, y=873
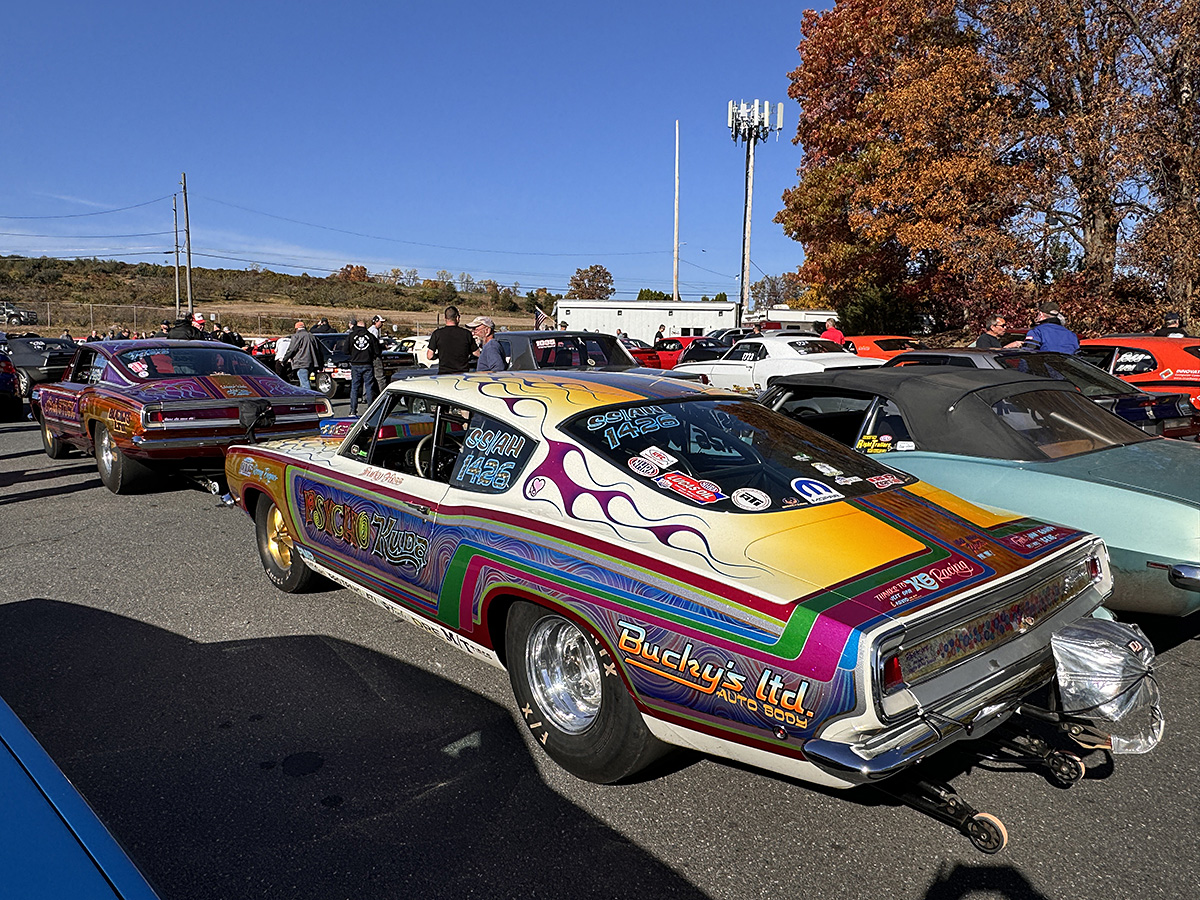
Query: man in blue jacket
x=1050, y=333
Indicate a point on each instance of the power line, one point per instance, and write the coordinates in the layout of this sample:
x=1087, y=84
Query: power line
x=377, y=237
x=84, y=237
x=103, y=212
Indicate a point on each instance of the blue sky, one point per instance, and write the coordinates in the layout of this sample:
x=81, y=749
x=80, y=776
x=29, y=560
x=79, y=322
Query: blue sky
x=511, y=141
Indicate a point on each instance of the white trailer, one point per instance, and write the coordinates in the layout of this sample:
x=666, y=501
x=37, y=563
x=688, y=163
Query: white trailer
x=641, y=319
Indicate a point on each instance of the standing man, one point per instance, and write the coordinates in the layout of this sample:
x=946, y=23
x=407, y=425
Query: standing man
x=1171, y=326
x=1049, y=333
x=363, y=348
x=305, y=353
x=377, y=330
x=188, y=329
x=491, y=357
x=452, y=345
x=322, y=326
x=660, y=334
x=164, y=329
x=833, y=333
x=993, y=328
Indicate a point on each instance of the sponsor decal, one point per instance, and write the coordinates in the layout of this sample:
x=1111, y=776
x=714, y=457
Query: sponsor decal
x=686, y=486
x=235, y=390
x=534, y=486
x=977, y=547
x=826, y=469
x=660, y=458
x=1035, y=539
x=750, y=499
x=119, y=420
x=545, y=344
x=249, y=468
x=801, y=457
x=771, y=693
x=885, y=481
x=847, y=479
x=905, y=445
x=643, y=467
x=791, y=501
x=870, y=443
x=813, y=491
x=934, y=577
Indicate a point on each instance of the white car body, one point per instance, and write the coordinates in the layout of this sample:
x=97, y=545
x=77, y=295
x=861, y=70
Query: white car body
x=752, y=363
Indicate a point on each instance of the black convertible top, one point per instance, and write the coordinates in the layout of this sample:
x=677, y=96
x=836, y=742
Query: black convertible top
x=948, y=409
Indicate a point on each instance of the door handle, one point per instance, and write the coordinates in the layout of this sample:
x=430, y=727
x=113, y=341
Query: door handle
x=423, y=510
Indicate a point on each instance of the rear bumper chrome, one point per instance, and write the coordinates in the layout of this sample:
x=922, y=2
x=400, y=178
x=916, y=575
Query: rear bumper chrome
x=971, y=715
x=150, y=443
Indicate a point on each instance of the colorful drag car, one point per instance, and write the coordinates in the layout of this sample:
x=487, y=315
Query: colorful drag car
x=657, y=563
x=135, y=405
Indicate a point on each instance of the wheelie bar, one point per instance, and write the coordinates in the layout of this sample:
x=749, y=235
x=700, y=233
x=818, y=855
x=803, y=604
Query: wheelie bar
x=940, y=801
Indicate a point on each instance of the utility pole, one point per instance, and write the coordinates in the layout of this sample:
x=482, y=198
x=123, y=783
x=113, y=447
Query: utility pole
x=175, y=215
x=187, y=239
x=676, y=292
x=750, y=124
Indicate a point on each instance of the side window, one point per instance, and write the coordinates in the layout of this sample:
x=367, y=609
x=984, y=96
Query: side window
x=923, y=361
x=1134, y=361
x=885, y=430
x=81, y=371
x=1100, y=357
x=491, y=458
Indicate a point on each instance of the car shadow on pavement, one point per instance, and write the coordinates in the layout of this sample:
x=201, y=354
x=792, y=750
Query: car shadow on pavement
x=993, y=881
x=297, y=767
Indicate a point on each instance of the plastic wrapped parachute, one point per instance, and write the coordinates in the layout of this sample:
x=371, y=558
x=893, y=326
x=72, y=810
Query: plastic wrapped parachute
x=1104, y=672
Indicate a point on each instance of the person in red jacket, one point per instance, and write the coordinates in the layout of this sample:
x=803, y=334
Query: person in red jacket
x=831, y=332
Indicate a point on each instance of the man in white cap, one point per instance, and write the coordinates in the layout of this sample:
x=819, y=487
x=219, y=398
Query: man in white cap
x=491, y=357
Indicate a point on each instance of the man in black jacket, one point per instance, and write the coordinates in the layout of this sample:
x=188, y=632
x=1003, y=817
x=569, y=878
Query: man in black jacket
x=363, y=348
x=188, y=329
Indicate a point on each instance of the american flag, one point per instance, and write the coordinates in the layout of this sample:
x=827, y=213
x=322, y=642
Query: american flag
x=541, y=321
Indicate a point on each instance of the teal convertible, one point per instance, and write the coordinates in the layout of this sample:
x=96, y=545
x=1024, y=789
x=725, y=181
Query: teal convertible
x=1005, y=440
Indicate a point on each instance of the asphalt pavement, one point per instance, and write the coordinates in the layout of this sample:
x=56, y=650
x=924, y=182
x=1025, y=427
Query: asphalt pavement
x=242, y=742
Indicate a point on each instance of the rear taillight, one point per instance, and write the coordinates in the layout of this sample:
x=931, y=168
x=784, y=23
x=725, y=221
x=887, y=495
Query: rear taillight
x=6, y=366
x=892, y=677
x=704, y=379
x=1095, y=567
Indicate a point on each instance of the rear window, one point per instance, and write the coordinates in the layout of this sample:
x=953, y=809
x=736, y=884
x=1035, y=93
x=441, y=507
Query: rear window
x=154, y=363
x=1134, y=361
x=890, y=344
x=803, y=348
x=1063, y=423
x=730, y=455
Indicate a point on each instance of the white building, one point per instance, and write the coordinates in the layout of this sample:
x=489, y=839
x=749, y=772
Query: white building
x=641, y=319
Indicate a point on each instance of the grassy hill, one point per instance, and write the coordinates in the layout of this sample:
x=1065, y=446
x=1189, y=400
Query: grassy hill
x=90, y=293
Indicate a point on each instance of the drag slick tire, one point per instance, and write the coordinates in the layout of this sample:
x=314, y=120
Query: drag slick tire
x=120, y=474
x=55, y=448
x=277, y=549
x=575, y=705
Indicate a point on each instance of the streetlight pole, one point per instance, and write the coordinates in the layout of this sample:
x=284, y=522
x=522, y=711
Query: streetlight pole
x=750, y=124
x=676, y=281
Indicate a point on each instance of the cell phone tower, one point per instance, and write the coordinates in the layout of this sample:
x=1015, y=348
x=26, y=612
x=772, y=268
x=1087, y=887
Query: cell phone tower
x=751, y=123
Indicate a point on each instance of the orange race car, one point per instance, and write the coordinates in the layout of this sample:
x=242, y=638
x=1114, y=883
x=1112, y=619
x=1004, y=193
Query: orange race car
x=881, y=346
x=1152, y=363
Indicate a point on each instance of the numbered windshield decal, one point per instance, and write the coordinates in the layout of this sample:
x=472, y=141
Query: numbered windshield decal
x=814, y=491
x=622, y=424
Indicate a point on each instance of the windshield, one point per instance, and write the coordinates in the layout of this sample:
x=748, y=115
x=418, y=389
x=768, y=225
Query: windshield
x=730, y=455
x=1092, y=382
x=155, y=363
x=1063, y=423
x=579, y=351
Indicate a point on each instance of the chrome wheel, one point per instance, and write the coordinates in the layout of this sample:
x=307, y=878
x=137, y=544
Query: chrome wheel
x=279, y=541
x=104, y=451
x=564, y=674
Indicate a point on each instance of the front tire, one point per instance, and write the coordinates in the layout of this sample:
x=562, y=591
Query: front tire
x=572, y=699
x=55, y=448
x=120, y=474
x=277, y=549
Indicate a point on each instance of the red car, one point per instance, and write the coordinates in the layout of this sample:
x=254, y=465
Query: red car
x=881, y=346
x=1159, y=364
x=137, y=405
x=668, y=350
